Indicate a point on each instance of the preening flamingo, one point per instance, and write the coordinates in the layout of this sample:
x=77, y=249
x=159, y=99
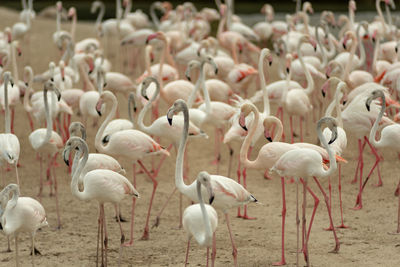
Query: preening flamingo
x=131, y=144
x=101, y=185
x=21, y=214
x=199, y=220
x=228, y=193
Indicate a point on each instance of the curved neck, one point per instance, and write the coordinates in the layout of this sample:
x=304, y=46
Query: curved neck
x=206, y=219
x=221, y=25
x=127, y=9
x=332, y=159
x=103, y=126
x=351, y=17
x=101, y=14
x=310, y=82
x=145, y=109
x=376, y=54
x=279, y=126
x=49, y=121
x=379, y=11
x=331, y=52
x=23, y=3
x=27, y=105
x=372, y=134
x=78, y=171
x=154, y=17
x=350, y=62
x=7, y=111
x=15, y=195
x=266, y=110
x=389, y=18
x=118, y=10
x=179, y=183
x=361, y=47
x=58, y=21
x=131, y=101
x=196, y=89
x=207, y=99
x=85, y=76
x=322, y=47
x=247, y=141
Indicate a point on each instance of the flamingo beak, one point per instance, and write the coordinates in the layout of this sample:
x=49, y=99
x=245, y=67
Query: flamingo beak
x=242, y=121
x=98, y=106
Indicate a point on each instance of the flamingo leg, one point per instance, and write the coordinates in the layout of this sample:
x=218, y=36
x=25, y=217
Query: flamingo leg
x=40, y=178
x=130, y=243
x=12, y=119
x=330, y=201
x=158, y=217
x=337, y=244
x=16, y=172
x=56, y=191
x=98, y=237
x=245, y=216
x=33, y=250
x=30, y=121
x=304, y=223
x=360, y=151
x=155, y=184
x=231, y=152
x=234, y=249
x=214, y=250
x=398, y=216
x=161, y=161
x=340, y=197
x=105, y=236
x=208, y=256
x=301, y=129
x=187, y=252
x=359, y=196
x=16, y=251
x=283, y=261
x=238, y=173
x=217, y=145
x=8, y=244
x=297, y=224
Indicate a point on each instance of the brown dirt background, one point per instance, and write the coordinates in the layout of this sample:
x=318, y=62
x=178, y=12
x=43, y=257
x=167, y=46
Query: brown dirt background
x=366, y=243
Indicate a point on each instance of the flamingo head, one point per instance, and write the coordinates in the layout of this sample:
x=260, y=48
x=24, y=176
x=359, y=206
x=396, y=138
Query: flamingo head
x=204, y=178
x=245, y=110
x=352, y=5
x=267, y=132
x=331, y=124
x=178, y=106
x=59, y=6
x=191, y=65
x=390, y=3
x=71, y=12
x=145, y=84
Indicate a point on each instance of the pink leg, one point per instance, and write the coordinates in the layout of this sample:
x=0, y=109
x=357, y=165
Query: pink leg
x=155, y=184
x=360, y=152
x=301, y=128
x=98, y=237
x=158, y=218
x=245, y=216
x=359, y=197
x=12, y=119
x=130, y=243
x=266, y=175
x=238, y=172
x=283, y=261
x=380, y=183
x=214, y=251
x=30, y=121
x=234, y=249
x=187, y=252
x=330, y=201
x=304, y=222
x=161, y=162
x=105, y=236
x=208, y=255
x=56, y=192
x=102, y=235
x=340, y=197
x=297, y=224
x=40, y=178
x=230, y=160
x=337, y=245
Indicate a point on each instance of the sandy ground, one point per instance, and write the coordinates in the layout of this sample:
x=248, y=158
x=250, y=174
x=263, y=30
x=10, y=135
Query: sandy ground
x=365, y=243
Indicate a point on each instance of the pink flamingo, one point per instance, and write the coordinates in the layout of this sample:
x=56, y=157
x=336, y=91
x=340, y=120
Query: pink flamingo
x=21, y=214
x=307, y=163
x=228, y=193
x=131, y=144
x=101, y=185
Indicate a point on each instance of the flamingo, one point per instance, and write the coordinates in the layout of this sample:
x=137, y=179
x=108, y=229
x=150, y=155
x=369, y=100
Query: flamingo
x=46, y=141
x=200, y=220
x=101, y=185
x=305, y=162
x=9, y=143
x=228, y=193
x=21, y=214
x=131, y=144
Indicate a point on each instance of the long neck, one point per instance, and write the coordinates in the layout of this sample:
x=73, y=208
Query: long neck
x=27, y=105
x=73, y=27
x=154, y=17
x=332, y=159
x=85, y=76
x=379, y=10
x=361, y=46
x=266, y=110
x=372, y=134
x=331, y=52
x=127, y=9
x=310, y=82
x=338, y=96
x=376, y=54
x=49, y=121
x=279, y=130
x=23, y=2
x=179, y=183
x=7, y=111
x=100, y=15
x=350, y=62
x=389, y=18
x=78, y=171
x=58, y=20
x=15, y=195
x=193, y=94
x=14, y=62
x=130, y=109
x=208, y=234
x=145, y=109
x=207, y=99
x=221, y=25
x=322, y=47
x=351, y=18
x=118, y=9
x=247, y=141
x=100, y=132
x=168, y=55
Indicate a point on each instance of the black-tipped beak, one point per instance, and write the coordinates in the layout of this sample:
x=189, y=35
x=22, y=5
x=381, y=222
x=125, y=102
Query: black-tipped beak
x=287, y=70
x=26, y=84
x=90, y=71
x=211, y=200
x=331, y=141
x=344, y=102
x=315, y=49
x=270, y=63
x=368, y=107
x=105, y=84
x=52, y=79
x=187, y=77
x=244, y=127
x=269, y=138
x=147, y=41
x=59, y=97
x=145, y=97
x=169, y=121
x=323, y=93
x=373, y=39
x=134, y=109
x=344, y=45
x=19, y=54
x=216, y=71
x=396, y=49
x=66, y=162
x=99, y=112
x=63, y=79
x=12, y=84
x=327, y=76
x=198, y=53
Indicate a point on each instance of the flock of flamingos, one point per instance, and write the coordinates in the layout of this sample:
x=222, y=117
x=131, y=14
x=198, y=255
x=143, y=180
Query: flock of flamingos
x=345, y=81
